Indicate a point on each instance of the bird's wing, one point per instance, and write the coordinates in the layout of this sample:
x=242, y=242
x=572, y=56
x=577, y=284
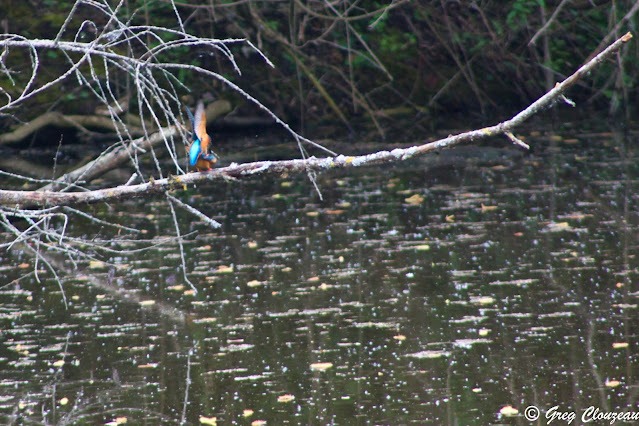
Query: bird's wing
x=194, y=152
x=200, y=121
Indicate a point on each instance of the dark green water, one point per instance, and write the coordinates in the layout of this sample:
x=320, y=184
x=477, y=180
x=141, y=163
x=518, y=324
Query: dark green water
x=513, y=282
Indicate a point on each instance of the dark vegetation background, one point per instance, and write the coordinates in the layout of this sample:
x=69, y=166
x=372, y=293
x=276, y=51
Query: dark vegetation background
x=366, y=66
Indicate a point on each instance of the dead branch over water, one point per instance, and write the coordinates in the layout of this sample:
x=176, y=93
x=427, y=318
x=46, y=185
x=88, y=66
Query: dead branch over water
x=30, y=199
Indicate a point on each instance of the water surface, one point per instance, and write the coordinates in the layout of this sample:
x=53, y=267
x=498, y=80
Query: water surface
x=437, y=291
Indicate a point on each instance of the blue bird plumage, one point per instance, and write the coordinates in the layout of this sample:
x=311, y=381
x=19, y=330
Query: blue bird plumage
x=194, y=152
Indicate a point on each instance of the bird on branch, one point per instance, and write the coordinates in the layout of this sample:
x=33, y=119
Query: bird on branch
x=200, y=154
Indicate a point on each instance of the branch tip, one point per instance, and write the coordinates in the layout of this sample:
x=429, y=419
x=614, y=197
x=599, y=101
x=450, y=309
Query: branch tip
x=514, y=139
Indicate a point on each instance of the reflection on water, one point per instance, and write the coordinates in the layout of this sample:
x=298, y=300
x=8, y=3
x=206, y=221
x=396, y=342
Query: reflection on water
x=444, y=295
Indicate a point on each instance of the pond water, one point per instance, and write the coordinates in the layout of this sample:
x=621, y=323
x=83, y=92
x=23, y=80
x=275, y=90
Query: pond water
x=457, y=289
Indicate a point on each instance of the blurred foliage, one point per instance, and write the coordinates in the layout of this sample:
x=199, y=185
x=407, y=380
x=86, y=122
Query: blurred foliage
x=367, y=64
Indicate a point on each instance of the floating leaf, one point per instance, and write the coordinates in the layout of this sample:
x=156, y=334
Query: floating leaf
x=255, y=283
x=64, y=401
x=223, y=269
x=558, y=226
x=487, y=208
x=247, y=413
x=178, y=287
x=482, y=300
x=508, y=411
x=399, y=337
x=450, y=218
x=612, y=383
x=252, y=244
x=117, y=421
x=58, y=363
x=321, y=366
x=415, y=200
x=147, y=302
x=422, y=247
x=211, y=421
x=285, y=398
x=620, y=345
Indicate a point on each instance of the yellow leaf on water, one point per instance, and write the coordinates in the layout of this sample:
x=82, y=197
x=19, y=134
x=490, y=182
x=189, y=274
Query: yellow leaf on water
x=321, y=366
x=149, y=365
x=285, y=398
x=483, y=300
x=487, y=208
x=252, y=244
x=612, y=383
x=58, y=363
x=223, y=269
x=64, y=401
x=147, y=302
x=178, y=287
x=399, y=337
x=415, y=200
x=211, y=421
x=620, y=345
x=450, y=218
x=558, y=226
x=508, y=411
x=248, y=413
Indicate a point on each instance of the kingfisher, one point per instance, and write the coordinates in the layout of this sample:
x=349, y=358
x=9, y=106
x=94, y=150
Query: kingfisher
x=199, y=151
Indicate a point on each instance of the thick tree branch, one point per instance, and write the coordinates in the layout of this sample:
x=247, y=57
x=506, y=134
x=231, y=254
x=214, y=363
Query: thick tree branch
x=62, y=121
x=29, y=199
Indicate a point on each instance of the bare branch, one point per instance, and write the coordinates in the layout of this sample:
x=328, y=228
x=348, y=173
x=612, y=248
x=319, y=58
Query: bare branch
x=29, y=199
